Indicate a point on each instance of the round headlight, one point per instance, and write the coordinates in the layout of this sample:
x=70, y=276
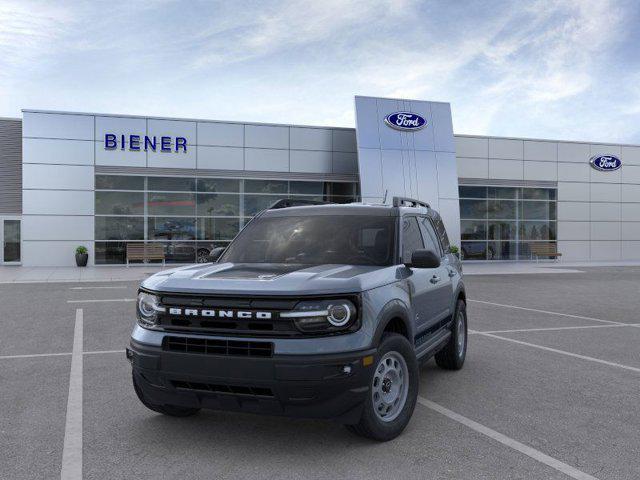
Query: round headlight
x=148, y=308
x=339, y=315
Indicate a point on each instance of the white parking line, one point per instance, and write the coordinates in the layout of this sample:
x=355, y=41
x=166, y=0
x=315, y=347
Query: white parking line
x=72, y=449
x=561, y=352
x=507, y=441
x=120, y=287
x=547, y=329
x=547, y=312
x=33, y=355
x=100, y=352
x=61, y=354
x=103, y=300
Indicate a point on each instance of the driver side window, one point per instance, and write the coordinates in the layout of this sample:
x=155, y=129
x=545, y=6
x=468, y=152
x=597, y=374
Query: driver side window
x=411, y=238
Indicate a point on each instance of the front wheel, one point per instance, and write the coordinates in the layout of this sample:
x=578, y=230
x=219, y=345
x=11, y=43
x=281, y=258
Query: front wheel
x=452, y=356
x=393, y=391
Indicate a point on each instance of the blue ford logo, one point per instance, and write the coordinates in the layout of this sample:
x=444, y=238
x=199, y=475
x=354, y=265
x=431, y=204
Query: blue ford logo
x=605, y=163
x=405, y=121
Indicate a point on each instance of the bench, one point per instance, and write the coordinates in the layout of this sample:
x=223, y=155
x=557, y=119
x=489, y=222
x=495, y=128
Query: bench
x=144, y=252
x=544, y=250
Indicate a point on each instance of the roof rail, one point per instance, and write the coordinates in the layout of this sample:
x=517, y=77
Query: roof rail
x=290, y=202
x=404, y=202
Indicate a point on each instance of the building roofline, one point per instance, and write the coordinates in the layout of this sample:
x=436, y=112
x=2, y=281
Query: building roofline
x=402, y=99
x=549, y=140
x=11, y=118
x=180, y=119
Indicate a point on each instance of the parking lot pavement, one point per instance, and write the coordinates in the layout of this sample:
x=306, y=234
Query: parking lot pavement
x=530, y=403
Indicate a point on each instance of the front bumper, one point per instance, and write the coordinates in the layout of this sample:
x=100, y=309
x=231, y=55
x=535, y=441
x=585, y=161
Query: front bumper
x=311, y=386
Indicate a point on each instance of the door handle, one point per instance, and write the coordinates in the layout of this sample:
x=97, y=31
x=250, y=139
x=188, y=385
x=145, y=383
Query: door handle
x=435, y=279
x=452, y=272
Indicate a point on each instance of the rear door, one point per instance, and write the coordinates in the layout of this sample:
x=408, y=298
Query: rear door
x=440, y=295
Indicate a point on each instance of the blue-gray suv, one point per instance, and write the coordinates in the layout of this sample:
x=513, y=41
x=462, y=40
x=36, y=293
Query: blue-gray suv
x=320, y=311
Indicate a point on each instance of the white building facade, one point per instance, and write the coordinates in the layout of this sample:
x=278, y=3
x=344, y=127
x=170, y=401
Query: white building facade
x=104, y=181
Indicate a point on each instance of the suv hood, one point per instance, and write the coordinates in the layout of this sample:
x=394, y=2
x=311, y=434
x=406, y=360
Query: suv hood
x=270, y=279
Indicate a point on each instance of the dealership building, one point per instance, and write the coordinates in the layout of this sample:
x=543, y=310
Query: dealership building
x=106, y=181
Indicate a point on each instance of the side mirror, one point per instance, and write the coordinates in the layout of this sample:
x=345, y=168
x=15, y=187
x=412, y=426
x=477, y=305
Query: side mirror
x=424, y=259
x=216, y=253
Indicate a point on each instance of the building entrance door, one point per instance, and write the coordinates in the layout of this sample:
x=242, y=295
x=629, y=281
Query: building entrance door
x=10, y=240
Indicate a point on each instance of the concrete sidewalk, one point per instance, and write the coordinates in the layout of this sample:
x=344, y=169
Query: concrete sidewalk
x=19, y=274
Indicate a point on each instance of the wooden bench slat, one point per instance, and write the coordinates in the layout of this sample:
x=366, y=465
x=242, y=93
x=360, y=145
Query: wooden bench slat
x=145, y=252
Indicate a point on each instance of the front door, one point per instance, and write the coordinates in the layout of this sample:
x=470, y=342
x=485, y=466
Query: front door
x=10, y=240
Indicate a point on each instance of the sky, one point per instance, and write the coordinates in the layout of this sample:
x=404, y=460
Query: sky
x=540, y=69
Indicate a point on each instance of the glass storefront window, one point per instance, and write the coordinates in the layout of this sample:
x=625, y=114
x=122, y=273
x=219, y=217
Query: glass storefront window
x=265, y=186
x=119, y=203
x=190, y=216
x=171, y=204
x=213, y=228
x=502, y=226
x=171, y=184
x=210, y=204
x=171, y=228
x=214, y=185
x=472, y=192
x=502, y=209
x=119, y=228
x=473, y=230
x=119, y=182
x=473, y=209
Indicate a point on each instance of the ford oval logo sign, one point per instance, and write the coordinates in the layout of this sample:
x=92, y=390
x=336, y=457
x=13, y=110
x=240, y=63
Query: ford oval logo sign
x=605, y=163
x=405, y=121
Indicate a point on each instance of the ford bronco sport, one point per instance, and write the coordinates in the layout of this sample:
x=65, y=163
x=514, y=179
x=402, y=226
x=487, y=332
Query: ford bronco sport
x=320, y=311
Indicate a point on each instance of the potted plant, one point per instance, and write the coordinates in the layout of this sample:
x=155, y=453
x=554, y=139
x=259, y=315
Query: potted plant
x=454, y=249
x=82, y=256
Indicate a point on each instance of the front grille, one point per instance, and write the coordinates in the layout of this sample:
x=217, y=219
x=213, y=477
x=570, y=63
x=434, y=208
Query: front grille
x=228, y=389
x=208, y=346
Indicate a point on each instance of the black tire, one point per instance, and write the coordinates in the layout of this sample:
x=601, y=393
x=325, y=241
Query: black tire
x=370, y=424
x=171, y=410
x=452, y=356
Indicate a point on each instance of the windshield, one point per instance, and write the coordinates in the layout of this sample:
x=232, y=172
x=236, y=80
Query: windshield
x=315, y=240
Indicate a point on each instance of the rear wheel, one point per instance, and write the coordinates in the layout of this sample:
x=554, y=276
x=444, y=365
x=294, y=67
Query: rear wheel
x=393, y=391
x=171, y=410
x=203, y=256
x=452, y=356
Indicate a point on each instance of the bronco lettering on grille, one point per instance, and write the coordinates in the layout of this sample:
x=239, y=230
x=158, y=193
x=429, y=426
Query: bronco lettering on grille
x=242, y=314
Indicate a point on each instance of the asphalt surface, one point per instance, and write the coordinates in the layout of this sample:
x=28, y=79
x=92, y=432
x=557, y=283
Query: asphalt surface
x=570, y=394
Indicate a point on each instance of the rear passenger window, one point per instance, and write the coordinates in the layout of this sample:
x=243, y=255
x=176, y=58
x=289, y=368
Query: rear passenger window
x=430, y=240
x=411, y=238
x=442, y=233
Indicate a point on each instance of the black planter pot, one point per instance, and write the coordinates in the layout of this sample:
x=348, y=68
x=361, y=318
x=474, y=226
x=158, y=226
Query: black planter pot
x=81, y=259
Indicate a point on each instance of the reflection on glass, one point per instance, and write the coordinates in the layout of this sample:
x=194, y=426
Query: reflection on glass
x=226, y=204
x=168, y=228
x=308, y=188
x=502, y=251
x=265, y=186
x=474, y=250
x=11, y=247
x=171, y=184
x=254, y=204
x=171, y=204
x=107, y=253
x=119, y=182
x=473, y=230
x=531, y=210
x=119, y=228
x=119, y=203
x=502, y=231
x=502, y=209
x=473, y=209
x=537, y=231
x=472, y=192
x=214, y=185
x=503, y=192
x=538, y=194
x=213, y=228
